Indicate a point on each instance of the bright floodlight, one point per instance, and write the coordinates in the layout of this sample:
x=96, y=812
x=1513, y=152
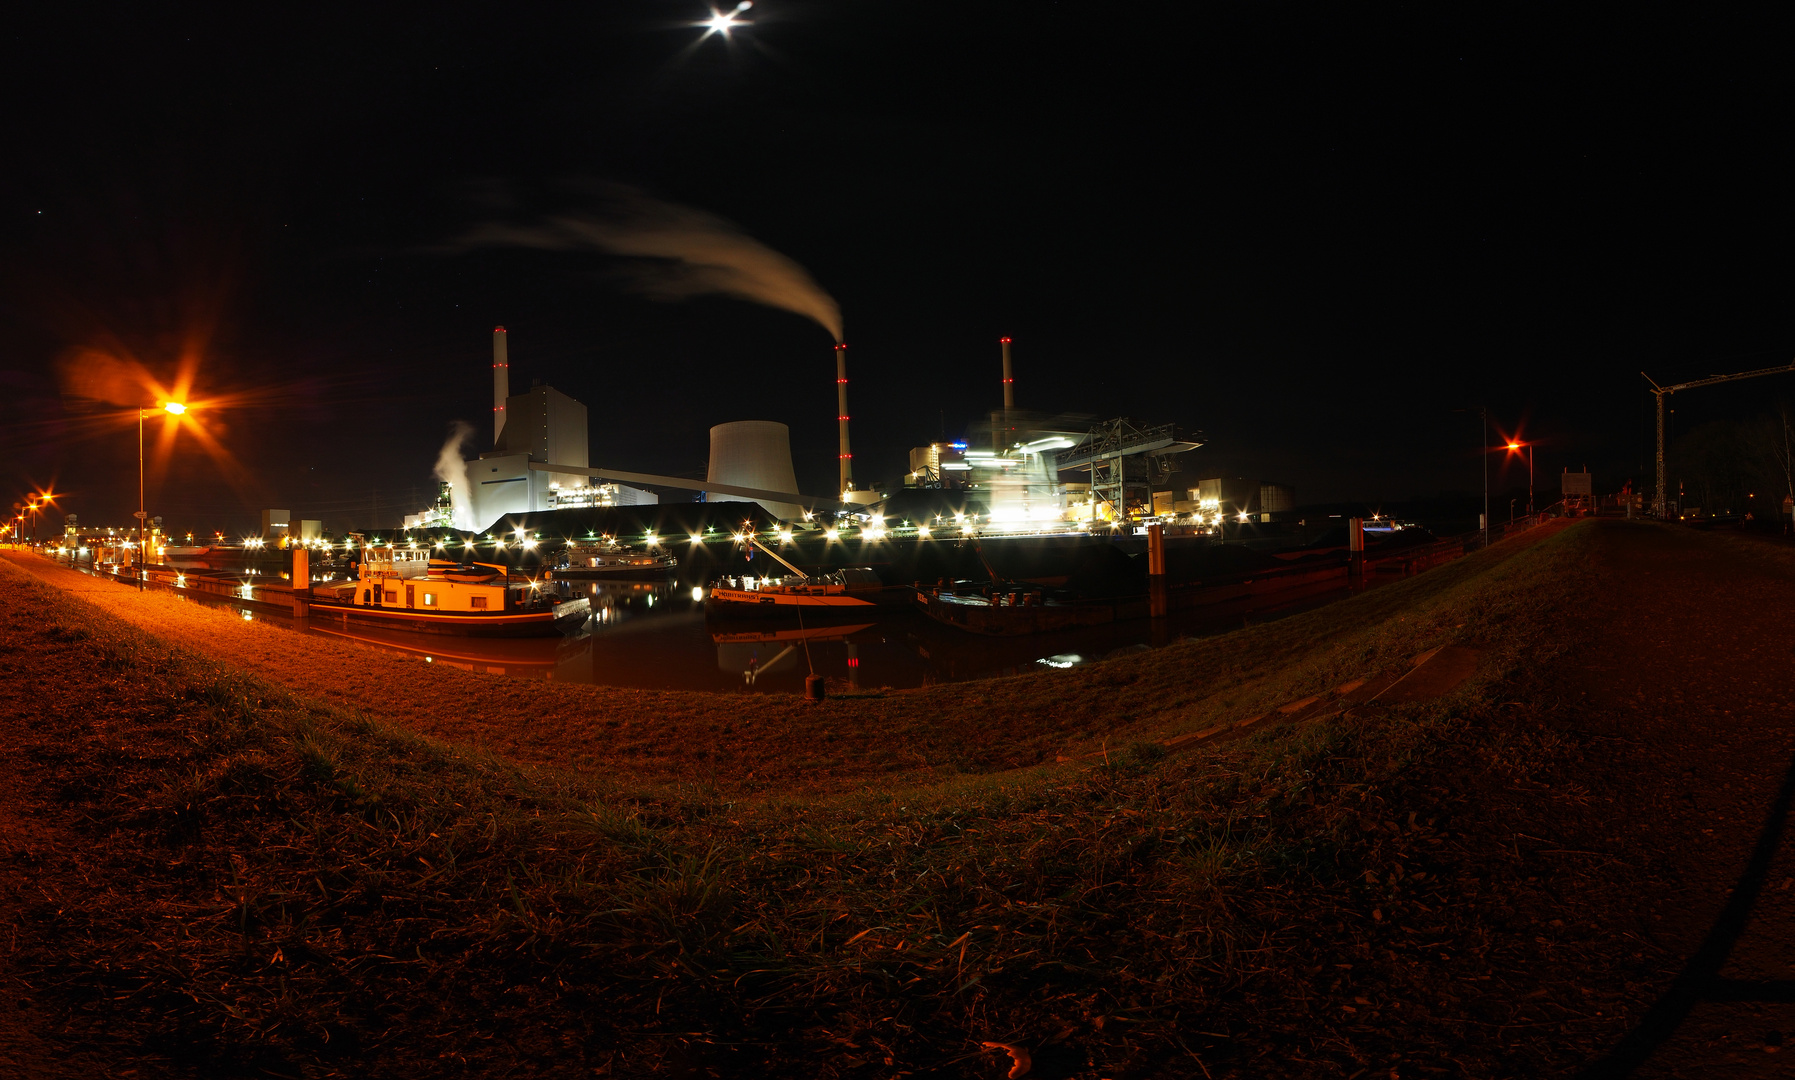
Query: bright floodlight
x=174, y=407
x=722, y=22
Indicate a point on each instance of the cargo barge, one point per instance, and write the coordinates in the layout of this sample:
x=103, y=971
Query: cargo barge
x=477, y=601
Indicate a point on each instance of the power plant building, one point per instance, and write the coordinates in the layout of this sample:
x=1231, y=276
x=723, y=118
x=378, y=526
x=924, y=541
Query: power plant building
x=539, y=460
x=1276, y=498
x=275, y=524
x=1234, y=498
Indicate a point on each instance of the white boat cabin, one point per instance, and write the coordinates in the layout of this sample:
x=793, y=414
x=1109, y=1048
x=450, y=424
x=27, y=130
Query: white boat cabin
x=405, y=562
x=383, y=585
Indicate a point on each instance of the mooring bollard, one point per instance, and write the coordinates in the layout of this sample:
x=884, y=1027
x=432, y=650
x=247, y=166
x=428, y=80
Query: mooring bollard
x=815, y=689
x=302, y=583
x=1156, y=571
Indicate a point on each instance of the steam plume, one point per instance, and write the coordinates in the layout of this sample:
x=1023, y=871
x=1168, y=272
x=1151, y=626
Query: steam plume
x=95, y=375
x=451, y=467
x=684, y=251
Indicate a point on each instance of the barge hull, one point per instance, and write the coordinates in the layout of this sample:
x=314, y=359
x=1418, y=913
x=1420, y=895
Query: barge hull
x=564, y=619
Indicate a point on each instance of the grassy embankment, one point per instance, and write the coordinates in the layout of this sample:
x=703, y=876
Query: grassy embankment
x=320, y=885
x=777, y=743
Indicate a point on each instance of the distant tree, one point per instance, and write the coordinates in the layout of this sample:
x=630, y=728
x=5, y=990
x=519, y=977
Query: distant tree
x=1720, y=464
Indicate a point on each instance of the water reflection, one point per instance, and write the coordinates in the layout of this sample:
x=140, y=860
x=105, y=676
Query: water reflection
x=759, y=652
x=652, y=635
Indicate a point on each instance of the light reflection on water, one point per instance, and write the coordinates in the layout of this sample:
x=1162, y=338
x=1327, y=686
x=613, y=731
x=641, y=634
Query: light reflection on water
x=654, y=636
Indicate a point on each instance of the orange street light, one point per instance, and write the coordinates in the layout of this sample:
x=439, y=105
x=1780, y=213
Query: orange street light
x=1515, y=447
x=173, y=408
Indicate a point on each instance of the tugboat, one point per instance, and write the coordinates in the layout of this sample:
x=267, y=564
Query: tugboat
x=482, y=600
x=854, y=588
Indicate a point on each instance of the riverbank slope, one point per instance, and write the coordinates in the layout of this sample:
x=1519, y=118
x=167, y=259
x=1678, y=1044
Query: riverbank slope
x=233, y=863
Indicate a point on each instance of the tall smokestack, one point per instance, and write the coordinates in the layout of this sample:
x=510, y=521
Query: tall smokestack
x=501, y=382
x=841, y=416
x=1009, y=383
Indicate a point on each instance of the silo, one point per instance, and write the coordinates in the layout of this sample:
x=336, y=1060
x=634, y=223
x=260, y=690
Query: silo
x=754, y=454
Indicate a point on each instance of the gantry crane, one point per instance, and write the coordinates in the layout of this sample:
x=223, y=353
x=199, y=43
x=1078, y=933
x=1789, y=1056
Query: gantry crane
x=1662, y=391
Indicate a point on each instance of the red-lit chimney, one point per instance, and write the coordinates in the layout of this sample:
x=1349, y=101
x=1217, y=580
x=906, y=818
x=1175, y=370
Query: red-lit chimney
x=501, y=382
x=1009, y=382
x=841, y=416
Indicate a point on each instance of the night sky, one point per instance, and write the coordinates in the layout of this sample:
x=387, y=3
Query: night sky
x=1309, y=233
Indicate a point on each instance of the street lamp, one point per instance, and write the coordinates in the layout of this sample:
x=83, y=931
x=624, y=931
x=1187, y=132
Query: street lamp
x=1483, y=451
x=173, y=408
x=1513, y=447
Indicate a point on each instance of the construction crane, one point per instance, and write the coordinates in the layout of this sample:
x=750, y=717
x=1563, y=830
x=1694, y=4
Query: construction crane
x=1662, y=391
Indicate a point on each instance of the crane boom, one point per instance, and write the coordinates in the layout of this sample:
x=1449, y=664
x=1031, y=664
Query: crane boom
x=752, y=539
x=1661, y=391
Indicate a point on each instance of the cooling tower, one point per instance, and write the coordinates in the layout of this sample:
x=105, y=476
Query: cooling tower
x=754, y=454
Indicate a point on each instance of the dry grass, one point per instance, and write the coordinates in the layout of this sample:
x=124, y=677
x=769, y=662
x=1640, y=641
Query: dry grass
x=334, y=878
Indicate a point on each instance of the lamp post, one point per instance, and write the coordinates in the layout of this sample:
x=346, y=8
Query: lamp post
x=1513, y=446
x=1484, y=412
x=173, y=408
x=1483, y=451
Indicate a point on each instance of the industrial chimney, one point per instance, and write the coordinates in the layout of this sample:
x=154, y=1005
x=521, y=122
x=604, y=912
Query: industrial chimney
x=501, y=382
x=841, y=416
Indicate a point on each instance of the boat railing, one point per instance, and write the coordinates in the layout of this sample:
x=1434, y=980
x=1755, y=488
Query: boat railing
x=749, y=583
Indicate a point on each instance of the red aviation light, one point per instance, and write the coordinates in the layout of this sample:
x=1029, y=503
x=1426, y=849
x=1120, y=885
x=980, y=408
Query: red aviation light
x=500, y=330
x=1003, y=341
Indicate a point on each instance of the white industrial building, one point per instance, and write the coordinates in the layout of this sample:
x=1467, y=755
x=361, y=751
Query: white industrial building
x=539, y=459
x=539, y=462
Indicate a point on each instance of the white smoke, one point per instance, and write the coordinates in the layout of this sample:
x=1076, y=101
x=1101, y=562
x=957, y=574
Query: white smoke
x=452, y=468
x=685, y=252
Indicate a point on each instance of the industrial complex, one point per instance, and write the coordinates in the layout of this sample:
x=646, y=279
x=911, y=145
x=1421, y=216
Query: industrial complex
x=1023, y=471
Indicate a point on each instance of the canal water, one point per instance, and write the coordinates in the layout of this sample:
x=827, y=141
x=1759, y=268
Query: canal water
x=654, y=636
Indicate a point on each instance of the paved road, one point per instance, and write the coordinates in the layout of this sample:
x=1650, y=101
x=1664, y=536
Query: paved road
x=1689, y=673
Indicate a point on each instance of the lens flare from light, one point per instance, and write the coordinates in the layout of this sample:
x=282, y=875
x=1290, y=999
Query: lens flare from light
x=722, y=22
